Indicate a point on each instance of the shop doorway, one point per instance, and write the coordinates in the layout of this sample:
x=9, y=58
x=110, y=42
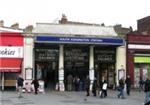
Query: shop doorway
x=141, y=70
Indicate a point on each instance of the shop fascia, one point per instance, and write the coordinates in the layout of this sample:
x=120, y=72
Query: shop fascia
x=11, y=52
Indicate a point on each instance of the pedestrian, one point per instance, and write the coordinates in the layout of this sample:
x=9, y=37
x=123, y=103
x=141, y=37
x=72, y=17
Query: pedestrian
x=20, y=81
x=141, y=83
x=121, y=88
x=147, y=92
x=36, y=85
x=76, y=83
x=69, y=82
x=104, y=88
x=128, y=84
x=87, y=85
x=94, y=87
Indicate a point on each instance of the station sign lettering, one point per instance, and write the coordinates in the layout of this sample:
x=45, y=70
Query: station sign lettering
x=83, y=40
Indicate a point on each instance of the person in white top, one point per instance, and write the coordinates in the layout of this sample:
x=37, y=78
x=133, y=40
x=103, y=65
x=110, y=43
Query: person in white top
x=104, y=89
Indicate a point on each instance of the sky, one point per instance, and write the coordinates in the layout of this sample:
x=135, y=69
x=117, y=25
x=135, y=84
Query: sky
x=109, y=12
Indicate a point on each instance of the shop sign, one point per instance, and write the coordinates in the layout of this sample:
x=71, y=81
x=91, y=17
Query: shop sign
x=83, y=40
x=46, y=54
x=105, y=55
x=76, y=55
x=142, y=59
x=11, y=52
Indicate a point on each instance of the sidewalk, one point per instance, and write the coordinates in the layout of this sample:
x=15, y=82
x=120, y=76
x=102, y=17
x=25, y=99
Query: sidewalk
x=68, y=98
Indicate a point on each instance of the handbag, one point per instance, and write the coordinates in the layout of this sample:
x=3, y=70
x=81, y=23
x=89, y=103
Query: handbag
x=119, y=88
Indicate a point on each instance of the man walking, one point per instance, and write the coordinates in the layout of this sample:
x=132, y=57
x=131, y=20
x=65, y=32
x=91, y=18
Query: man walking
x=121, y=88
x=87, y=85
x=36, y=85
x=128, y=84
x=147, y=92
x=20, y=85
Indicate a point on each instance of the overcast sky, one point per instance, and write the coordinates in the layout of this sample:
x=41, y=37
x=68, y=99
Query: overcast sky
x=109, y=12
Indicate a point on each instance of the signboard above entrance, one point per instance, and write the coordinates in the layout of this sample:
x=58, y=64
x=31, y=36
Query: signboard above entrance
x=83, y=40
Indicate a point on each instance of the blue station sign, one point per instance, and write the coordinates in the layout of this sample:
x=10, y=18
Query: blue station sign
x=79, y=40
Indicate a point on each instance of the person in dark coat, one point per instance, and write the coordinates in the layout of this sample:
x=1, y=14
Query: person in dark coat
x=36, y=85
x=20, y=81
x=87, y=85
x=141, y=83
x=76, y=81
x=69, y=82
x=147, y=92
x=128, y=84
x=121, y=88
x=94, y=87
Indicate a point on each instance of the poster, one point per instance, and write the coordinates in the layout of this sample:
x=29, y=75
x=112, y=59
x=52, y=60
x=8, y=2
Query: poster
x=28, y=73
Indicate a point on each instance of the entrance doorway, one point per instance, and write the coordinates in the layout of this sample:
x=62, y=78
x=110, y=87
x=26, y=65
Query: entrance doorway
x=104, y=60
x=105, y=71
x=47, y=71
x=46, y=64
x=76, y=64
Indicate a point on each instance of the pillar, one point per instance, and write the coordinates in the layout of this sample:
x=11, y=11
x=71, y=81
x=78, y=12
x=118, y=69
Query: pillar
x=91, y=65
x=28, y=58
x=61, y=68
x=120, y=61
x=3, y=81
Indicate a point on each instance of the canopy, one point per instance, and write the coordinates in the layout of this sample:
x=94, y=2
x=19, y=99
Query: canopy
x=10, y=64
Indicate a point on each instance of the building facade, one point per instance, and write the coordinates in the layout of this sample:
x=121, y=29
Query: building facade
x=143, y=25
x=54, y=51
x=138, y=57
x=11, y=57
x=138, y=51
x=11, y=54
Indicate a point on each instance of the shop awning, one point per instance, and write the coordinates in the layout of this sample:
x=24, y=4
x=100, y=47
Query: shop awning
x=10, y=64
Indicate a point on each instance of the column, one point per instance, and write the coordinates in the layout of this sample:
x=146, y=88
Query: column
x=28, y=61
x=28, y=57
x=3, y=81
x=61, y=68
x=91, y=65
x=120, y=62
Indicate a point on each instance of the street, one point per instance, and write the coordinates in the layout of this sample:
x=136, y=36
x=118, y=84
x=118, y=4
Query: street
x=68, y=98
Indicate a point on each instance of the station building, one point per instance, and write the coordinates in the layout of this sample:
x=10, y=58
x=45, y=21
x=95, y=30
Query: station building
x=54, y=51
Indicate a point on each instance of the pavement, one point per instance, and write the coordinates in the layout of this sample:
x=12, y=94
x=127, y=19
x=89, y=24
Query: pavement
x=69, y=98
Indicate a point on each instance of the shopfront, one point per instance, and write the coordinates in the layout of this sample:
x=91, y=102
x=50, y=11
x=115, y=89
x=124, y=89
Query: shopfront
x=138, y=57
x=57, y=57
x=11, y=57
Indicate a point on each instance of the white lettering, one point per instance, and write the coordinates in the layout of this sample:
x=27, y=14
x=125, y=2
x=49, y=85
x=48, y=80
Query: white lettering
x=79, y=40
x=64, y=39
x=96, y=40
